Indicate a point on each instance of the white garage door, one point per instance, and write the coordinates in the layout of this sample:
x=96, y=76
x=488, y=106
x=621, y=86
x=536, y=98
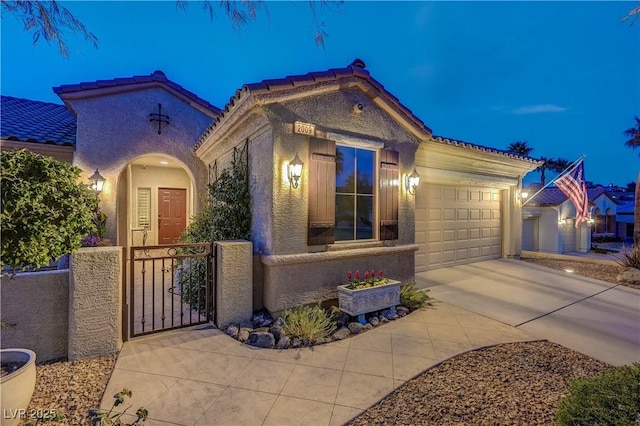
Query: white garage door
x=456, y=225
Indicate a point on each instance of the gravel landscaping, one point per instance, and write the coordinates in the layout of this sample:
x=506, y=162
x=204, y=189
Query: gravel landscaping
x=518, y=383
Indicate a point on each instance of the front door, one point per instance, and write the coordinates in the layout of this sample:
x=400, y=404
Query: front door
x=172, y=214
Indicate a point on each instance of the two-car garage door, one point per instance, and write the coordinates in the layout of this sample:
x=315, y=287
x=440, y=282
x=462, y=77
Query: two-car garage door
x=456, y=225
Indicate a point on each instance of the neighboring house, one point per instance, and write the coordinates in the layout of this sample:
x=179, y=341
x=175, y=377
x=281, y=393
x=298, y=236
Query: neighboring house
x=548, y=221
x=624, y=221
x=351, y=209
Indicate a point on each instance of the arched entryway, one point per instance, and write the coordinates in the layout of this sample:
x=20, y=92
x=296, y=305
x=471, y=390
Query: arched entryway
x=156, y=201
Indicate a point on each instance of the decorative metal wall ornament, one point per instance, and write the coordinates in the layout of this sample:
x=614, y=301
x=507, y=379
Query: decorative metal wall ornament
x=160, y=118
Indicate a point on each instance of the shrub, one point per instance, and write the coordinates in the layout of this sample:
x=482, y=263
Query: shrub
x=611, y=398
x=308, y=323
x=631, y=259
x=45, y=210
x=413, y=298
x=103, y=417
x=226, y=216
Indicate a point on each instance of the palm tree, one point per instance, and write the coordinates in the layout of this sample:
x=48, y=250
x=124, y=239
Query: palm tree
x=634, y=142
x=556, y=165
x=520, y=147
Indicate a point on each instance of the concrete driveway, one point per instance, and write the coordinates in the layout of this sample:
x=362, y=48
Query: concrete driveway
x=594, y=317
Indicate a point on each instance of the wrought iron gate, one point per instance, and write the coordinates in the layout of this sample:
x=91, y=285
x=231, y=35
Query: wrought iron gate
x=170, y=286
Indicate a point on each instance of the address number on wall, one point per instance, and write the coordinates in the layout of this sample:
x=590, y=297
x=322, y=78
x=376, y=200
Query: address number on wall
x=304, y=128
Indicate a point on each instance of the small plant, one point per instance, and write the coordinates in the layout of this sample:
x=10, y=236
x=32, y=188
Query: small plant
x=308, y=323
x=366, y=280
x=611, y=398
x=631, y=259
x=103, y=417
x=413, y=298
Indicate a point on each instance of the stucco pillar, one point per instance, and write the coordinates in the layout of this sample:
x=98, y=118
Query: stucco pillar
x=234, y=282
x=95, y=302
x=512, y=223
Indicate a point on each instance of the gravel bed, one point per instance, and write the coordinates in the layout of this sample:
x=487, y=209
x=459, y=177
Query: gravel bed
x=514, y=383
x=592, y=270
x=71, y=388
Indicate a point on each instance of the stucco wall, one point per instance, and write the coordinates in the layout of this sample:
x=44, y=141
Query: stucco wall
x=113, y=130
x=291, y=280
x=35, y=311
x=335, y=119
x=95, y=302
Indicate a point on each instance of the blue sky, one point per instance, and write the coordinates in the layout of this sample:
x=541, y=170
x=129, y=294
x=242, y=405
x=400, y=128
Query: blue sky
x=564, y=76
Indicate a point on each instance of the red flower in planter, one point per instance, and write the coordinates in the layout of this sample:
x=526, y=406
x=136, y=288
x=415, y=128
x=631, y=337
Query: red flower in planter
x=380, y=273
x=349, y=275
x=357, y=275
x=366, y=275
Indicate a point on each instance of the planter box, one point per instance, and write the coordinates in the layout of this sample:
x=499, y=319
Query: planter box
x=17, y=387
x=359, y=302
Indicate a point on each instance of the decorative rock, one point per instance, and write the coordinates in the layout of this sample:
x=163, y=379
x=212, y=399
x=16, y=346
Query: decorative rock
x=232, y=330
x=262, y=329
x=355, y=328
x=323, y=340
x=629, y=275
x=368, y=326
x=284, y=342
x=390, y=315
x=383, y=319
x=277, y=332
x=261, y=339
x=341, y=333
x=262, y=318
x=297, y=343
x=246, y=324
x=341, y=319
x=243, y=334
x=374, y=321
x=279, y=322
x=401, y=308
x=401, y=314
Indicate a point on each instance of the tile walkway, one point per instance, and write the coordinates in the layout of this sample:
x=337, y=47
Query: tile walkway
x=200, y=376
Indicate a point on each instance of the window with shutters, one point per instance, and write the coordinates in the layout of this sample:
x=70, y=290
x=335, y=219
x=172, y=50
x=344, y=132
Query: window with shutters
x=144, y=208
x=353, y=193
x=355, y=198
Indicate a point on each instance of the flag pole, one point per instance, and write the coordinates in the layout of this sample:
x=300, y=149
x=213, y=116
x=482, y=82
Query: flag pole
x=566, y=170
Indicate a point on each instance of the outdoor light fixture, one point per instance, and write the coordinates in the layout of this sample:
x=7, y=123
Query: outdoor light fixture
x=412, y=181
x=295, y=171
x=96, y=181
x=562, y=221
x=521, y=195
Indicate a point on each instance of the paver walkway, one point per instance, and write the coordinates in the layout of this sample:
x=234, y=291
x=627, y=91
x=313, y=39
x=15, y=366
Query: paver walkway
x=200, y=376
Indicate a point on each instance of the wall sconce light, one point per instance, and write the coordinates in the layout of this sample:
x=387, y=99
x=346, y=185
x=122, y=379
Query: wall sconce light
x=521, y=195
x=96, y=181
x=562, y=221
x=590, y=221
x=412, y=181
x=295, y=171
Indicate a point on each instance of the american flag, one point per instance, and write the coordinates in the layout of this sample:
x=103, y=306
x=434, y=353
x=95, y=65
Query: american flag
x=573, y=185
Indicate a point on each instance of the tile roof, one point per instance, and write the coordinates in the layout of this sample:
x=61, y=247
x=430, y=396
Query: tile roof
x=552, y=196
x=34, y=121
x=468, y=145
x=156, y=77
x=355, y=69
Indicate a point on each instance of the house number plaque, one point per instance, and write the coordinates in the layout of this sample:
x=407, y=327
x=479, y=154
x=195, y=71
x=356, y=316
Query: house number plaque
x=304, y=128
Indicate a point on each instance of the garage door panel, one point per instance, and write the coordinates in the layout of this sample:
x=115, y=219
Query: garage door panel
x=460, y=224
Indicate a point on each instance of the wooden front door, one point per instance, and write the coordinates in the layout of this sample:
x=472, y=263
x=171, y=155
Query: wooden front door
x=172, y=214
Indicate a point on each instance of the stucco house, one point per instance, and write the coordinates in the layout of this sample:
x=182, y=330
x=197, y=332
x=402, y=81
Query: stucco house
x=548, y=221
x=352, y=207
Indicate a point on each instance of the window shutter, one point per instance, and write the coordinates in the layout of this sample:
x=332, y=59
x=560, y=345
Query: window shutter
x=144, y=207
x=389, y=182
x=322, y=190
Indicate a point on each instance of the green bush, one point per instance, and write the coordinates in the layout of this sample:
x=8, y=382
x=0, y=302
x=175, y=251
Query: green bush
x=413, y=298
x=45, y=209
x=226, y=216
x=611, y=398
x=308, y=323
